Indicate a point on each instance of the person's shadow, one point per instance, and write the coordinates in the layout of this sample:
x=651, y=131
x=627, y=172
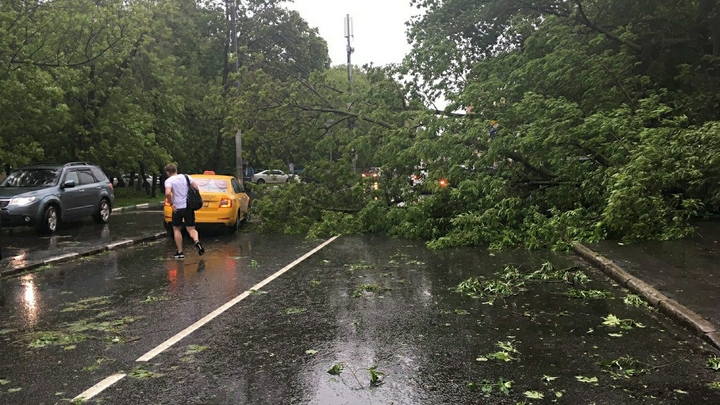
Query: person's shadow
x=201, y=266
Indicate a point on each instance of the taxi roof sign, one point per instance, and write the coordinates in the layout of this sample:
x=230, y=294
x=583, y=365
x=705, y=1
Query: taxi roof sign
x=208, y=172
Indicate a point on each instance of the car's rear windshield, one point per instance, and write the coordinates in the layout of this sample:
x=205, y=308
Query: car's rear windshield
x=31, y=178
x=212, y=185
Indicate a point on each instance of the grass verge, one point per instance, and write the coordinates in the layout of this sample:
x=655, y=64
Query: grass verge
x=128, y=196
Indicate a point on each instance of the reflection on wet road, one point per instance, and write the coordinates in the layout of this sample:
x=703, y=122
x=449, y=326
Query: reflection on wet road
x=20, y=245
x=362, y=307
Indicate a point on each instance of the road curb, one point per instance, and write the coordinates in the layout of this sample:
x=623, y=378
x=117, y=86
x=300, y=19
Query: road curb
x=138, y=207
x=67, y=257
x=671, y=308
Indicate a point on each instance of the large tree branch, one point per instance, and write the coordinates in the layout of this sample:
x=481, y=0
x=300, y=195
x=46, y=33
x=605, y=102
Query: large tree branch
x=583, y=19
x=542, y=171
x=346, y=114
x=550, y=183
x=596, y=155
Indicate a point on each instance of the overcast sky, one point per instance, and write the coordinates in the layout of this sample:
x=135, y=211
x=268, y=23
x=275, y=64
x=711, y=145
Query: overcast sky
x=379, y=28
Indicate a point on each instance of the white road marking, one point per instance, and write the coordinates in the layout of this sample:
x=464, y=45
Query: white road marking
x=104, y=384
x=207, y=318
x=99, y=387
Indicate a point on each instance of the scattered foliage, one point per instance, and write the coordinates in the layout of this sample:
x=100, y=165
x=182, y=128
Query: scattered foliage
x=142, y=373
x=634, y=300
x=713, y=363
x=625, y=366
x=588, y=294
x=292, y=311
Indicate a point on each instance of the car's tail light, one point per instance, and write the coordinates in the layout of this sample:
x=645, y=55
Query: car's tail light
x=111, y=186
x=167, y=204
x=225, y=203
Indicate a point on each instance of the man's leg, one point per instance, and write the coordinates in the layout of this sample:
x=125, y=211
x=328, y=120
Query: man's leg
x=177, y=218
x=190, y=226
x=177, y=235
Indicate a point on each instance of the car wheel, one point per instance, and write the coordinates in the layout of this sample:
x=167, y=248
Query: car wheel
x=239, y=222
x=247, y=214
x=103, y=213
x=261, y=181
x=49, y=221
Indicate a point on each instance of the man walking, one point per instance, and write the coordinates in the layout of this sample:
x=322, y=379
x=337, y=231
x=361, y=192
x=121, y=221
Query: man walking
x=176, y=192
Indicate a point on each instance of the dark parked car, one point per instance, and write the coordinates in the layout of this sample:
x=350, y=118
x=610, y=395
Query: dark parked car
x=44, y=195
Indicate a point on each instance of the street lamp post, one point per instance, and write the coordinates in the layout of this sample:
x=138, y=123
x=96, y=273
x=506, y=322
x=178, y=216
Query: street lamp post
x=238, y=135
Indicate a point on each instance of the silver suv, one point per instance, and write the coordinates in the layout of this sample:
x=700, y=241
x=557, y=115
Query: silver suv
x=44, y=195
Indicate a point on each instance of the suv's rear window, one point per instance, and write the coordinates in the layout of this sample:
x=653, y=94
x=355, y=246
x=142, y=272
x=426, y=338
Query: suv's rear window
x=212, y=185
x=99, y=174
x=31, y=178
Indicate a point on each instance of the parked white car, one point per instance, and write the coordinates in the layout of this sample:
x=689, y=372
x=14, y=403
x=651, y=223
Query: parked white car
x=271, y=176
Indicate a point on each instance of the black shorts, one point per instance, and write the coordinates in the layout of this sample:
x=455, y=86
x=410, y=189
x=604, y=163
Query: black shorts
x=183, y=214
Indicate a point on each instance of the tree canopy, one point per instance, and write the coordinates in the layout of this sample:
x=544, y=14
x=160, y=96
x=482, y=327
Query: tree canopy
x=564, y=120
x=605, y=116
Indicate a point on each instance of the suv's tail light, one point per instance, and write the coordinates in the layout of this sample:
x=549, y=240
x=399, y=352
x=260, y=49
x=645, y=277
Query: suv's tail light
x=225, y=203
x=111, y=186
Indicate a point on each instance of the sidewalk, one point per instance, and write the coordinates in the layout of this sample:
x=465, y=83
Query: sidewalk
x=680, y=278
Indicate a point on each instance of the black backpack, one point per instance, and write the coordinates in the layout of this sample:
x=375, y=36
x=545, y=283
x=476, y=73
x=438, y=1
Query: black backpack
x=194, y=200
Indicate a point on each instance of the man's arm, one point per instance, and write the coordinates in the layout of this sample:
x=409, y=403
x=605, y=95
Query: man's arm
x=168, y=194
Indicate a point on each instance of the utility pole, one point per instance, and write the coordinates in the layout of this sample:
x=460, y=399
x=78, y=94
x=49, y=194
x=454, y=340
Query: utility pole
x=349, y=34
x=238, y=135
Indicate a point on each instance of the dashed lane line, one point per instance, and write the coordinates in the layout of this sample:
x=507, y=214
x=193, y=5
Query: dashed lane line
x=99, y=387
x=207, y=318
x=104, y=384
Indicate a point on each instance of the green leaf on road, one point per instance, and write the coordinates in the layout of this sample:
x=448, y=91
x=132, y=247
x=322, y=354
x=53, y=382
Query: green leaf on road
x=534, y=394
x=713, y=363
x=547, y=378
x=375, y=375
x=336, y=369
x=193, y=349
x=258, y=292
x=141, y=373
x=611, y=320
x=291, y=311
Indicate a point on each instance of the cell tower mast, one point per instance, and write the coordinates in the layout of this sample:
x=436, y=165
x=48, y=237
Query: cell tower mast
x=349, y=35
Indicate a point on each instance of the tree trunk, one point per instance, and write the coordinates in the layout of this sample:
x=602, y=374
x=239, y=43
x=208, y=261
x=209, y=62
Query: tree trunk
x=707, y=22
x=153, y=192
x=715, y=29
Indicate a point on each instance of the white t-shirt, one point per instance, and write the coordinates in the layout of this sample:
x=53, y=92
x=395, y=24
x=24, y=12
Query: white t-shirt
x=179, y=187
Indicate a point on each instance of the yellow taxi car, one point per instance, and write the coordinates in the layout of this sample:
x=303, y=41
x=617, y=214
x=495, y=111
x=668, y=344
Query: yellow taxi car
x=224, y=202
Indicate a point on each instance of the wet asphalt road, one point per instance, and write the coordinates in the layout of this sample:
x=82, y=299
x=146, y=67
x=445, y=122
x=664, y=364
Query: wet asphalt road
x=66, y=328
x=19, y=244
